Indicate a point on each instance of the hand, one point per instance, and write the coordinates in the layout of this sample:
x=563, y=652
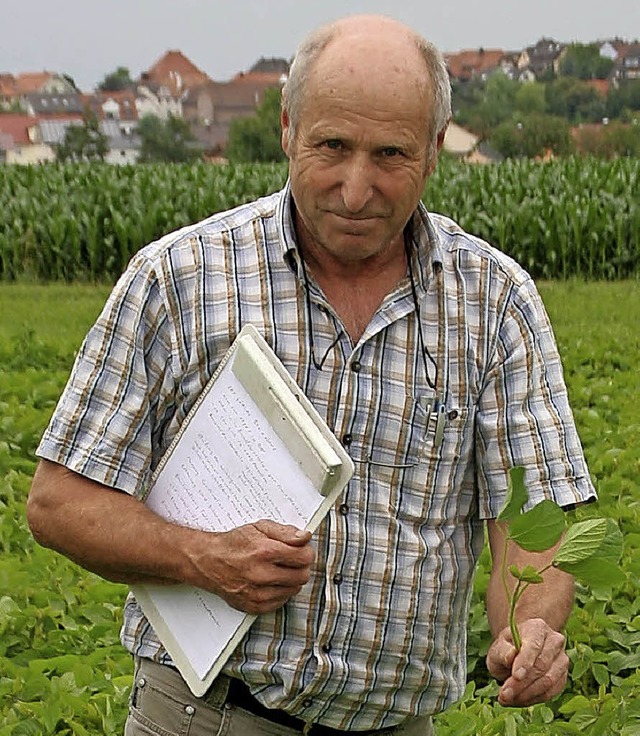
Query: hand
x=256, y=567
x=535, y=674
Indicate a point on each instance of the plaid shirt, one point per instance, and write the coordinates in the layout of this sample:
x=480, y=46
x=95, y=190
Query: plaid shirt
x=379, y=633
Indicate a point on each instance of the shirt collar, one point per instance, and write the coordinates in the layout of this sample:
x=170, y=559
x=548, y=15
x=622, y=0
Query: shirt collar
x=426, y=253
x=287, y=231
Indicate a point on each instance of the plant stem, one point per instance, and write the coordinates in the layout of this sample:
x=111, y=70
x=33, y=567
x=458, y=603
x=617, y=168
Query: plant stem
x=515, y=633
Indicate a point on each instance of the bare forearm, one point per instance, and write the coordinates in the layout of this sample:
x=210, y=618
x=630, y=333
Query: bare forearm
x=535, y=668
x=106, y=531
x=551, y=600
x=255, y=567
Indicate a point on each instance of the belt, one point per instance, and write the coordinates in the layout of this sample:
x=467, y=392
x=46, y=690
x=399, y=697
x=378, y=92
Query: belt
x=240, y=696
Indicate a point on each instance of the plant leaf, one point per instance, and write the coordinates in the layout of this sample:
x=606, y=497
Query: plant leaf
x=582, y=540
x=600, y=537
x=517, y=495
x=539, y=528
x=590, y=552
x=528, y=574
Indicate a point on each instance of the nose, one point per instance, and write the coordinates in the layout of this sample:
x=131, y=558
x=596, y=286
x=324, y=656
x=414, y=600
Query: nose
x=357, y=183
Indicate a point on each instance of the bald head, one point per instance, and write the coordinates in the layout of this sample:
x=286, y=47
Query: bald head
x=373, y=54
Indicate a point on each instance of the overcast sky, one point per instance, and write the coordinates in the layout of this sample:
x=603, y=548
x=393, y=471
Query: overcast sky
x=87, y=39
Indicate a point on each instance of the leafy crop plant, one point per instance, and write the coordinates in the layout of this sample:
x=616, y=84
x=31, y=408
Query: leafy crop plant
x=589, y=551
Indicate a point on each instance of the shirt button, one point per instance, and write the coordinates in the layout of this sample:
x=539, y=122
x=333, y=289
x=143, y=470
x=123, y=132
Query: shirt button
x=356, y=366
x=337, y=578
x=142, y=682
x=326, y=647
x=343, y=509
x=453, y=414
x=347, y=439
x=189, y=710
x=307, y=703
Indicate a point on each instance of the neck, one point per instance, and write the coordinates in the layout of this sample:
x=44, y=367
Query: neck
x=355, y=289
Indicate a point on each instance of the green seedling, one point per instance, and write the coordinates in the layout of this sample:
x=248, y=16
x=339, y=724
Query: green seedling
x=589, y=551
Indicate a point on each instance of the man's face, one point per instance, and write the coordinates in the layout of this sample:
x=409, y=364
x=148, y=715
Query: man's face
x=359, y=160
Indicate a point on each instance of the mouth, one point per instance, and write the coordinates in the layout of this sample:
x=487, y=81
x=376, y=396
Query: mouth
x=357, y=226
x=360, y=217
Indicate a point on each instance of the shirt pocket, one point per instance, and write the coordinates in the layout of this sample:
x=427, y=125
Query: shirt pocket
x=435, y=485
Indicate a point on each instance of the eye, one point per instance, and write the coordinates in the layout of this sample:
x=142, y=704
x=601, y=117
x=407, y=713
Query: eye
x=333, y=144
x=390, y=152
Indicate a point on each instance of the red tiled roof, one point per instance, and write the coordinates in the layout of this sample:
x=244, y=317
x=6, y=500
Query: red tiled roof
x=240, y=96
x=30, y=82
x=125, y=99
x=465, y=64
x=7, y=85
x=629, y=51
x=175, y=71
x=17, y=126
x=261, y=79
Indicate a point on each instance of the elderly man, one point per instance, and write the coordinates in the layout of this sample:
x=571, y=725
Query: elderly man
x=430, y=356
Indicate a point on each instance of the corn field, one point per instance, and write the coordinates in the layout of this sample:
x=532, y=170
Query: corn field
x=565, y=218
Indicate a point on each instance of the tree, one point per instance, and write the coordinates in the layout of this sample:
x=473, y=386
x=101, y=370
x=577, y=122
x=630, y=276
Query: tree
x=166, y=140
x=532, y=136
x=465, y=95
x=530, y=98
x=84, y=142
x=117, y=80
x=12, y=105
x=584, y=62
x=494, y=103
x=623, y=99
x=257, y=138
x=574, y=100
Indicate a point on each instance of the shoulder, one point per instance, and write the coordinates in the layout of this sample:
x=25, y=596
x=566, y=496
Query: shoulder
x=237, y=225
x=468, y=253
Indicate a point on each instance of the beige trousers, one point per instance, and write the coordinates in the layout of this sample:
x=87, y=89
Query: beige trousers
x=163, y=705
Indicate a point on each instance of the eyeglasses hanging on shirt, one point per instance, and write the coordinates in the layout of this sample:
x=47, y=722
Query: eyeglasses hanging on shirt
x=432, y=404
x=319, y=364
x=436, y=410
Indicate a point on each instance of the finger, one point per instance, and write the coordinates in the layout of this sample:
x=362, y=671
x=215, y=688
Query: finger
x=533, y=641
x=263, y=599
x=285, y=533
x=541, y=646
x=544, y=687
x=267, y=543
x=501, y=655
x=277, y=576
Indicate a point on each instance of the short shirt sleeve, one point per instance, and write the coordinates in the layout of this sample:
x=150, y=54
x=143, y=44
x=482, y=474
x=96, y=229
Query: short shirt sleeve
x=109, y=420
x=523, y=416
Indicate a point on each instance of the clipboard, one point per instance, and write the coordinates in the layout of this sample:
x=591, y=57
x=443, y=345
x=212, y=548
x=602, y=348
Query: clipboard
x=289, y=449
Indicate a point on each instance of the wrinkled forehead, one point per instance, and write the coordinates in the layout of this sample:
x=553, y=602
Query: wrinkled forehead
x=371, y=64
x=387, y=76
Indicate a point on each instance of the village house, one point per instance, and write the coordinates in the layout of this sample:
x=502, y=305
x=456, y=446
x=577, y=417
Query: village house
x=213, y=106
x=474, y=63
x=543, y=57
x=21, y=140
x=40, y=106
x=627, y=63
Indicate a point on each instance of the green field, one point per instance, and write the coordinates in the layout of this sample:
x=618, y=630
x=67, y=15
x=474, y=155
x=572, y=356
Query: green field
x=62, y=669
x=573, y=217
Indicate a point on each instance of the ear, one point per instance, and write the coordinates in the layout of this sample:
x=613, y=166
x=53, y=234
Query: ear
x=441, y=136
x=438, y=147
x=286, y=130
